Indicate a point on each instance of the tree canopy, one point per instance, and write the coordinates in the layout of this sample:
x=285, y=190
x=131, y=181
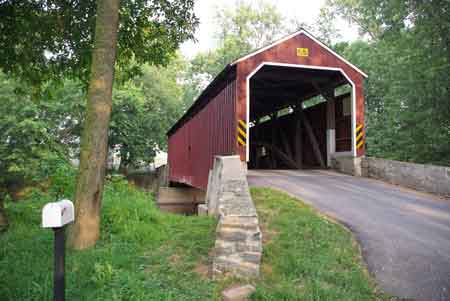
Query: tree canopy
x=407, y=58
x=37, y=134
x=47, y=39
x=144, y=108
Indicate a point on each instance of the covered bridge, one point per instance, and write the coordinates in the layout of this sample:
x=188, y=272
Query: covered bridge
x=292, y=104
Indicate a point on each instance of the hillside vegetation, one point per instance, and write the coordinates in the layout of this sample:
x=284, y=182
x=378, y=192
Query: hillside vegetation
x=143, y=253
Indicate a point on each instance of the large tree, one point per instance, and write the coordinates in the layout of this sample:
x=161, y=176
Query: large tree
x=47, y=39
x=94, y=144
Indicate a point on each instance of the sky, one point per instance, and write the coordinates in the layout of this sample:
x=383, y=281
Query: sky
x=304, y=10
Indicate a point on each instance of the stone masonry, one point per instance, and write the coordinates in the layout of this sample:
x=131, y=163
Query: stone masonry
x=238, y=247
x=423, y=177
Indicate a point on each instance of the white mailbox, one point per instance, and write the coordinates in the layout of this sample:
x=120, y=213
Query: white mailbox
x=57, y=214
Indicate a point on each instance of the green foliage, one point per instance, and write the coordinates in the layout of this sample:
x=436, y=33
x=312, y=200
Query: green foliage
x=29, y=145
x=249, y=26
x=62, y=104
x=144, y=109
x=42, y=129
x=46, y=39
x=61, y=184
x=143, y=254
x=132, y=124
x=307, y=257
x=408, y=88
x=324, y=27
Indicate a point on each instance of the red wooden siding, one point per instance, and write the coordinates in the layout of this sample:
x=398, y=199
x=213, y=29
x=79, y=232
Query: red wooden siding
x=210, y=132
x=286, y=53
x=343, y=127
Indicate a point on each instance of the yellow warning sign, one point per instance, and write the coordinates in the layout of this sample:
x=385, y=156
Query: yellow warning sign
x=302, y=51
x=242, y=133
x=359, y=136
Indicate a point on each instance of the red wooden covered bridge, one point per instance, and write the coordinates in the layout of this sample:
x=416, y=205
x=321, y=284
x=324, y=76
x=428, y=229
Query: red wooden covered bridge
x=292, y=104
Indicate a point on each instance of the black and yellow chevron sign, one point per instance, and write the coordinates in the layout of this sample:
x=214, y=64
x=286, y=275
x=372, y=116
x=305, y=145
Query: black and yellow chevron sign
x=359, y=136
x=242, y=133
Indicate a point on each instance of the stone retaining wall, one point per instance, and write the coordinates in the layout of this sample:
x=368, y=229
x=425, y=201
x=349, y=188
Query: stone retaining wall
x=151, y=180
x=238, y=247
x=429, y=178
x=347, y=164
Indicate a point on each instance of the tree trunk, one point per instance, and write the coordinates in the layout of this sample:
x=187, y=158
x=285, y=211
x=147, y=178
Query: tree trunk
x=94, y=144
x=3, y=219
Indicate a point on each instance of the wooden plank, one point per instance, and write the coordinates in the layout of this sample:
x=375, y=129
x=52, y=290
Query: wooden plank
x=312, y=137
x=280, y=154
x=265, y=110
x=326, y=93
x=285, y=143
x=180, y=196
x=188, y=209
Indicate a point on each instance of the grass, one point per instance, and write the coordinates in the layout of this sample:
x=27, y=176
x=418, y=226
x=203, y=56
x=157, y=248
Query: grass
x=307, y=256
x=145, y=254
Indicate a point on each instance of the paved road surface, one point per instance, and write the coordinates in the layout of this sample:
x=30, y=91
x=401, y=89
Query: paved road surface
x=404, y=235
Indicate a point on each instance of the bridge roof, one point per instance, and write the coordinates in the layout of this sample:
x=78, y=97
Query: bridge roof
x=229, y=73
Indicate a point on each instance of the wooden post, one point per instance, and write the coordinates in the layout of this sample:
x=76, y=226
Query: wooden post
x=331, y=122
x=256, y=137
x=273, y=139
x=59, y=262
x=331, y=129
x=298, y=141
x=275, y=151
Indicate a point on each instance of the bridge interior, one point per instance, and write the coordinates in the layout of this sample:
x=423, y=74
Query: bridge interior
x=298, y=117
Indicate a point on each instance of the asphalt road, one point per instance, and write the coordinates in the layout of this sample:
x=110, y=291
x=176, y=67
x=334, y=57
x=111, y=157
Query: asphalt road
x=404, y=235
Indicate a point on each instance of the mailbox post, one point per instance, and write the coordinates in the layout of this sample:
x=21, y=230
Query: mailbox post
x=57, y=215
